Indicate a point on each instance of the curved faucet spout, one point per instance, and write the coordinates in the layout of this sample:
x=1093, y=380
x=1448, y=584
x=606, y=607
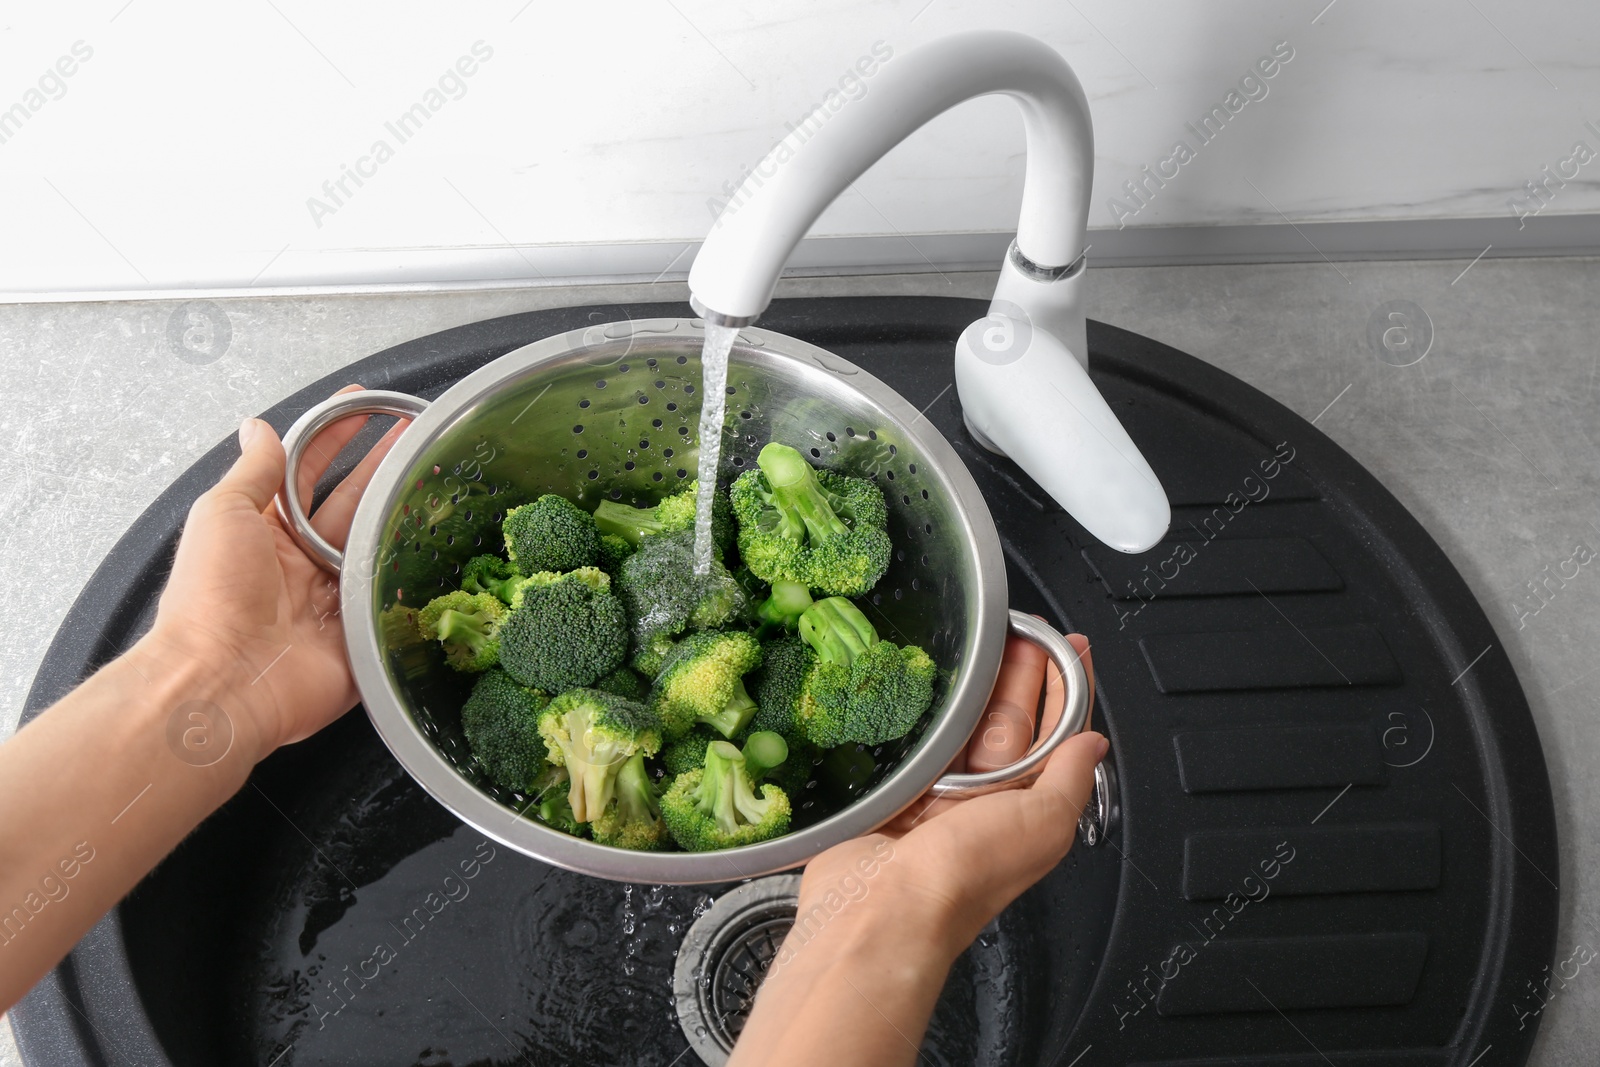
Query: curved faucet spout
x=1022, y=372
x=738, y=266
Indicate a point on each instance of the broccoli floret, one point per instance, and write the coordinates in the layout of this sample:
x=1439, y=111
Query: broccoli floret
x=563, y=631
x=553, y=808
x=501, y=722
x=688, y=752
x=613, y=550
x=860, y=688
x=624, y=683
x=593, y=577
x=764, y=751
x=673, y=514
x=634, y=818
x=490, y=574
x=702, y=681
x=770, y=757
x=468, y=625
x=777, y=683
x=766, y=754
x=784, y=606
x=593, y=734
x=822, y=530
x=837, y=630
x=717, y=806
x=550, y=534
x=664, y=596
x=649, y=656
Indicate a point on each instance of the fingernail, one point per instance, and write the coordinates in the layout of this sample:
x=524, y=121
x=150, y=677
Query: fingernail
x=247, y=430
x=1104, y=747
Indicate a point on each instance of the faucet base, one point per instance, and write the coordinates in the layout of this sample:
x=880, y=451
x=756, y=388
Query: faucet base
x=978, y=436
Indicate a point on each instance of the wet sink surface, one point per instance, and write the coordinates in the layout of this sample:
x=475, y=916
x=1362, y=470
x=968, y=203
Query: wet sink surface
x=393, y=934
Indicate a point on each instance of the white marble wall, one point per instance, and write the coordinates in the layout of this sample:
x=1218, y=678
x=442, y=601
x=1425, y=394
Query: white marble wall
x=187, y=142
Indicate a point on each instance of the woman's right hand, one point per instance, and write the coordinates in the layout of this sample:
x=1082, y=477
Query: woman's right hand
x=881, y=918
x=956, y=864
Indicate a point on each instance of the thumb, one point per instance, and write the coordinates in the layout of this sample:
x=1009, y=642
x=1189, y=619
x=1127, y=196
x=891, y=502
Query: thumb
x=258, y=472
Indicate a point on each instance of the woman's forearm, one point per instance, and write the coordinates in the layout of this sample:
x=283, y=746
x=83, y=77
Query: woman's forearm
x=860, y=990
x=97, y=790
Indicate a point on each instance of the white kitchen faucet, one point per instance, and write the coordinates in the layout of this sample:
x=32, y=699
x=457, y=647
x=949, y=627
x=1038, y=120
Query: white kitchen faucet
x=1021, y=371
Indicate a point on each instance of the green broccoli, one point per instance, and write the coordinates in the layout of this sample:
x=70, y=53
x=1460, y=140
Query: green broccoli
x=490, y=574
x=764, y=751
x=501, y=723
x=777, y=683
x=702, y=681
x=859, y=689
x=688, y=752
x=554, y=808
x=624, y=683
x=837, y=630
x=784, y=605
x=550, y=534
x=716, y=806
x=613, y=550
x=633, y=820
x=563, y=631
x=468, y=625
x=664, y=596
x=672, y=515
x=649, y=656
x=593, y=577
x=555, y=811
x=593, y=734
x=771, y=757
x=819, y=529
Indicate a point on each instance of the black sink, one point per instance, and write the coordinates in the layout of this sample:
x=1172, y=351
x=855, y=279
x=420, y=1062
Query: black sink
x=1324, y=757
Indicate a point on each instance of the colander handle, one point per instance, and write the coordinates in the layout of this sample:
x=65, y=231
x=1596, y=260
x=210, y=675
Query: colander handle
x=1074, y=716
x=291, y=509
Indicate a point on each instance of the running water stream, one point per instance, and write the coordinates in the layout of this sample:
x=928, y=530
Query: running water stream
x=713, y=404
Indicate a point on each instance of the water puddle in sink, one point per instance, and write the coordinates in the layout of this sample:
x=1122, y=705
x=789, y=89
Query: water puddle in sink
x=713, y=404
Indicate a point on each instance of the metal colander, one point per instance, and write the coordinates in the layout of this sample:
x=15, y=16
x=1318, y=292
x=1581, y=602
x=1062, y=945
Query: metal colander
x=613, y=412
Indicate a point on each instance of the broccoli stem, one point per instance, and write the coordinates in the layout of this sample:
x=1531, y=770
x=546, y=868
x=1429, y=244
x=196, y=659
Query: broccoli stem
x=635, y=794
x=507, y=588
x=503, y=588
x=716, y=794
x=736, y=714
x=837, y=630
x=798, y=493
x=462, y=628
x=764, y=750
x=629, y=523
x=786, y=604
x=556, y=811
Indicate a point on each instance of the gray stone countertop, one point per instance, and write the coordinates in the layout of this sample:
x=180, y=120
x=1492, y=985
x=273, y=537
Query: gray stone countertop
x=1489, y=439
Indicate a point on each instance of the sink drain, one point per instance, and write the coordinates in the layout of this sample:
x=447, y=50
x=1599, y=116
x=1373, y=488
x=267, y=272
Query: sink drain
x=724, y=958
